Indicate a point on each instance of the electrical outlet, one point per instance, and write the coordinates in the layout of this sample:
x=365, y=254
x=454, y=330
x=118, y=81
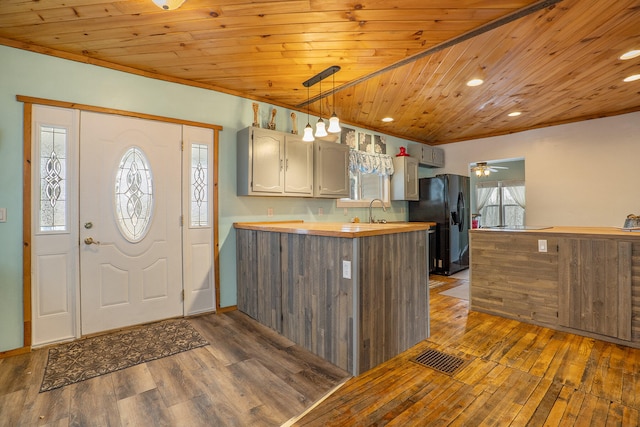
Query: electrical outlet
x=269, y=211
x=345, y=211
x=542, y=246
x=320, y=211
x=346, y=269
x=3, y=214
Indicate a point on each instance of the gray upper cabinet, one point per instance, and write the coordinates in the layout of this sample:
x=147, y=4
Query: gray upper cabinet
x=272, y=163
x=404, y=181
x=331, y=170
x=298, y=166
x=427, y=155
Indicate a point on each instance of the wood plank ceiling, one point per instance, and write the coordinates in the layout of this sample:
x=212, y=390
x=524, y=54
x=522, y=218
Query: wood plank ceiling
x=555, y=61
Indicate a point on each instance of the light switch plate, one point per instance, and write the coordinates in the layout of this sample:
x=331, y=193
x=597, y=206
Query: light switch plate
x=542, y=246
x=3, y=214
x=346, y=269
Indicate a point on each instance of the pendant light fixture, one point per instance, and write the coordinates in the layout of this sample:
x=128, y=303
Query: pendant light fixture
x=321, y=131
x=334, y=121
x=308, y=130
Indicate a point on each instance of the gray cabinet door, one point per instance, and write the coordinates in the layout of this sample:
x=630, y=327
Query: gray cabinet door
x=298, y=167
x=331, y=171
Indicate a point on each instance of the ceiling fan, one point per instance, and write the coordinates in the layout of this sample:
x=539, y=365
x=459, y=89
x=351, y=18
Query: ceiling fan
x=484, y=169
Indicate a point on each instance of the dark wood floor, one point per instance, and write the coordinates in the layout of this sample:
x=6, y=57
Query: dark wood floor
x=247, y=376
x=517, y=374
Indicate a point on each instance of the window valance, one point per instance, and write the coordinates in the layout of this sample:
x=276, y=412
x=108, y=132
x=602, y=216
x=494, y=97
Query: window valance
x=381, y=164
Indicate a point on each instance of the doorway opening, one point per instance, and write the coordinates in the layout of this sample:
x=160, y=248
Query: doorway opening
x=498, y=193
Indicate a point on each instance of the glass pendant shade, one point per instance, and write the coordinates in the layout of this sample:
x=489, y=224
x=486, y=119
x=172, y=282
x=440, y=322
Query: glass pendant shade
x=168, y=4
x=320, y=129
x=334, y=124
x=308, y=134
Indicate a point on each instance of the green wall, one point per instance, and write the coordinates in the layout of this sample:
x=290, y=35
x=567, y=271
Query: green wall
x=41, y=76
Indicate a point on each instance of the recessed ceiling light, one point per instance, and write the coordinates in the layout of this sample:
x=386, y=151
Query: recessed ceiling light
x=387, y=119
x=475, y=82
x=630, y=54
x=514, y=113
x=632, y=78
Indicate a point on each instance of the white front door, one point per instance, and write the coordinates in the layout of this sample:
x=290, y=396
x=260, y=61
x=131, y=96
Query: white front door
x=130, y=213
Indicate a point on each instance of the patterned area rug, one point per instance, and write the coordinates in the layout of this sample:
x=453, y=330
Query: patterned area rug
x=88, y=358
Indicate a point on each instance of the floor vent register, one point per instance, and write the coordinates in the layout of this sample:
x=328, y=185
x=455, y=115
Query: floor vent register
x=441, y=362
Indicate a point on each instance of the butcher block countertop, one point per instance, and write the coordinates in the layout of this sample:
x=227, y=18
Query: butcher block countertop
x=335, y=229
x=594, y=231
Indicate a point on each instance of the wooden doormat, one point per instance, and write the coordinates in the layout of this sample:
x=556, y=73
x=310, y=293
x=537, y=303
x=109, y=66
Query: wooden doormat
x=91, y=357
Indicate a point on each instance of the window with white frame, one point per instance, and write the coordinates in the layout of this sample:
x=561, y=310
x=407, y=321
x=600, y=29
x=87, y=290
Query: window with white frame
x=501, y=203
x=365, y=187
x=369, y=169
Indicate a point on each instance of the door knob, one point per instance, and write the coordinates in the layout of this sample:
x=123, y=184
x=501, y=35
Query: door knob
x=90, y=241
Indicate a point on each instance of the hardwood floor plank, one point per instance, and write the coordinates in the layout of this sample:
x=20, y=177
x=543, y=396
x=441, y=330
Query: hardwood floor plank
x=274, y=392
x=94, y=403
x=46, y=408
x=572, y=369
x=546, y=404
x=12, y=404
x=147, y=408
x=630, y=389
x=528, y=410
x=601, y=412
x=174, y=382
x=557, y=412
x=131, y=381
x=630, y=417
x=426, y=409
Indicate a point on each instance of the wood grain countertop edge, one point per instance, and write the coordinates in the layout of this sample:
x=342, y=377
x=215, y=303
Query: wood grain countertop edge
x=334, y=229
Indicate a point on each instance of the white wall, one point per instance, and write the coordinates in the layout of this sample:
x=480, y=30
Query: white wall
x=582, y=174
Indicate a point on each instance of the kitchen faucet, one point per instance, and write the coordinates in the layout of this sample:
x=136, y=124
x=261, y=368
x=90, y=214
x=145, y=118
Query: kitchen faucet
x=370, y=206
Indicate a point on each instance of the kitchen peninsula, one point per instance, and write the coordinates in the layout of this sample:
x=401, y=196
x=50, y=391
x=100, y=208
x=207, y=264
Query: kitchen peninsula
x=355, y=294
x=584, y=280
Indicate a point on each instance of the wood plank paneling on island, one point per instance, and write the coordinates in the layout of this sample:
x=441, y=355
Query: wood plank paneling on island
x=511, y=278
x=635, y=292
x=393, y=316
x=247, y=273
x=269, y=280
x=595, y=286
x=317, y=301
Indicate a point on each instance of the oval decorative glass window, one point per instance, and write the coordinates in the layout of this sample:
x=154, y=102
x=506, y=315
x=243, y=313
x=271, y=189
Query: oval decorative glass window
x=134, y=195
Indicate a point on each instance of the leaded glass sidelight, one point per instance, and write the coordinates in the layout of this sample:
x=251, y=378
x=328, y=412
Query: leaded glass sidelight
x=134, y=195
x=199, y=185
x=53, y=178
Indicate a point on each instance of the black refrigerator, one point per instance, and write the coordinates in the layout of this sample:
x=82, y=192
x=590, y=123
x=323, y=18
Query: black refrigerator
x=444, y=200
